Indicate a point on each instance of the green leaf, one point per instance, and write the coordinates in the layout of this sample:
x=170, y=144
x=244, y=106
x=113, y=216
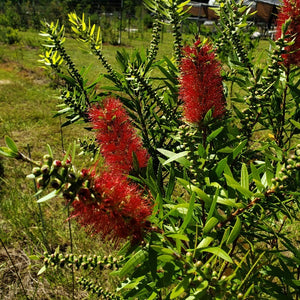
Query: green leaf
x=42, y=270
x=6, y=152
x=189, y=214
x=210, y=224
x=11, y=144
x=30, y=176
x=229, y=202
x=49, y=150
x=179, y=236
x=235, y=185
x=205, y=242
x=295, y=123
x=176, y=157
x=213, y=205
x=161, y=249
x=221, y=166
x=171, y=185
x=48, y=196
x=244, y=177
x=34, y=257
x=131, y=264
x=235, y=231
x=166, y=257
x=239, y=149
x=214, y=134
x=254, y=172
x=180, y=158
x=201, y=290
x=296, y=282
x=180, y=288
x=195, y=189
x=218, y=252
x=269, y=172
x=132, y=284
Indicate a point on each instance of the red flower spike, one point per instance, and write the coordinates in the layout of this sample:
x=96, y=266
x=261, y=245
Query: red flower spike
x=200, y=83
x=116, y=210
x=117, y=136
x=290, y=10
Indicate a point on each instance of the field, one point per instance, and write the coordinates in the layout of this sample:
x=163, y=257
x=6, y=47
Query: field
x=28, y=101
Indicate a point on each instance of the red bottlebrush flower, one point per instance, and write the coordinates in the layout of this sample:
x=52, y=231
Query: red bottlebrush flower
x=112, y=206
x=117, y=136
x=200, y=83
x=290, y=10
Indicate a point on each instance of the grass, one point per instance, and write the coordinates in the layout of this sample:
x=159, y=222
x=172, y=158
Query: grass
x=28, y=101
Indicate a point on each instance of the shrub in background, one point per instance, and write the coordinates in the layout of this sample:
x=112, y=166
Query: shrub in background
x=10, y=36
x=200, y=164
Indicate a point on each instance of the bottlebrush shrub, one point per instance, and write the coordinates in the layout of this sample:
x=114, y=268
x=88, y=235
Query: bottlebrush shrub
x=201, y=190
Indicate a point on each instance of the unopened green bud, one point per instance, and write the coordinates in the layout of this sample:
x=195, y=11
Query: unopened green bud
x=45, y=169
x=40, y=182
x=55, y=183
x=198, y=264
x=189, y=256
x=47, y=159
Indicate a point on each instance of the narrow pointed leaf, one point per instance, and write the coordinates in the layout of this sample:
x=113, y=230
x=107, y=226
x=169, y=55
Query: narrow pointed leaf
x=48, y=196
x=210, y=224
x=235, y=231
x=6, y=152
x=180, y=288
x=218, y=252
x=11, y=144
x=189, y=214
x=131, y=264
x=214, y=134
x=244, y=177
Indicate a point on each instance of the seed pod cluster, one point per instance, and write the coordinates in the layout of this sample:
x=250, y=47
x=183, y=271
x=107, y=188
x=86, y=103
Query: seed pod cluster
x=289, y=176
x=96, y=289
x=60, y=176
x=82, y=261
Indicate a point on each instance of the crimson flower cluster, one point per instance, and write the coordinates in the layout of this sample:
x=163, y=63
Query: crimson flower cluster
x=108, y=203
x=290, y=10
x=200, y=83
x=112, y=207
x=117, y=136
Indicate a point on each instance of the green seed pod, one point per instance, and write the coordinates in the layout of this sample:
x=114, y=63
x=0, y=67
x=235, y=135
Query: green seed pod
x=189, y=256
x=214, y=280
x=40, y=182
x=45, y=169
x=47, y=159
x=55, y=183
x=36, y=171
